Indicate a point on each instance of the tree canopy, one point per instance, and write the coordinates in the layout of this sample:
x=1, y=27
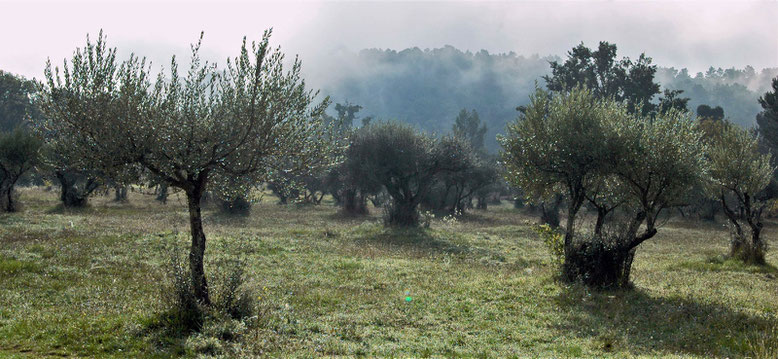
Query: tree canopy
x=631, y=82
x=768, y=118
x=588, y=149
x=208, y=129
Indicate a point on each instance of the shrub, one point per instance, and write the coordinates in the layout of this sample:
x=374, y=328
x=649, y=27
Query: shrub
x=232, y=298
x=554, y=242
x=236, y=206
x=184, y=314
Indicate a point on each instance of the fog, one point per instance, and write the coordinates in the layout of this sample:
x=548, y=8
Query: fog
x=693, y=35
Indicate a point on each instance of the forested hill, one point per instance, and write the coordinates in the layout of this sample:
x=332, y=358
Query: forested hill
x=430, y=87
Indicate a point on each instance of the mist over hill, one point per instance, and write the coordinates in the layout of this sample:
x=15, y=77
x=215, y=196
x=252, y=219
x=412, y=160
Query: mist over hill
x=429, y=87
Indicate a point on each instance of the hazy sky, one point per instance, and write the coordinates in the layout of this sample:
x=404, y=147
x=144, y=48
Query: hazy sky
x=681, y=34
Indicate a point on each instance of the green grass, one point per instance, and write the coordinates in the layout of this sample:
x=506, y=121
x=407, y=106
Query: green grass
x=86, y=283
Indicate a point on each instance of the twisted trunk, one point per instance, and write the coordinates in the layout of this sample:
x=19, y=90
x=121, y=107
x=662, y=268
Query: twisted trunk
x=71, y=195
x=749, y=250
x=403, y=213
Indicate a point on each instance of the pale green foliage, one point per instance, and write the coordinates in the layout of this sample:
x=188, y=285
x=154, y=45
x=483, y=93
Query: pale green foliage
x=572, y=140
x=595, y=150
x=237, y=127
x=221, y=131
x=738, y=170
x=554, y=242
x=736, y=164
x=660, y=159
x=558, y=143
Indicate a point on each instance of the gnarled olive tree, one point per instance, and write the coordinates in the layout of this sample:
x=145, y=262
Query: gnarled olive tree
x=405, y=162
x=560, y=145
x=594, y=150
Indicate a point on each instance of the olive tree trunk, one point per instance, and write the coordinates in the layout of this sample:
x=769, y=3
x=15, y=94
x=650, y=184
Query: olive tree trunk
x=605, y=260
x=7, y=201
x=197, y=250
x=72, y=194
x=120, y=194
x=354, y=202
x=403, y=213
x=749, y=250
x=162, y=193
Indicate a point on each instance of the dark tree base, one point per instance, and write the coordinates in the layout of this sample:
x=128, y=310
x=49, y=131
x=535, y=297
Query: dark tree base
x=402, y=215
x=238, y=206
x=599, y=266
x=748, y=253
x=72, y=199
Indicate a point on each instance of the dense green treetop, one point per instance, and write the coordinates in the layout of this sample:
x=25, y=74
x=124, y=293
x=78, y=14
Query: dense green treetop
x=16, y=101
x=768, y=118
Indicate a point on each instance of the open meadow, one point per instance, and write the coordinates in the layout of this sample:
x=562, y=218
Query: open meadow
x=91, y=283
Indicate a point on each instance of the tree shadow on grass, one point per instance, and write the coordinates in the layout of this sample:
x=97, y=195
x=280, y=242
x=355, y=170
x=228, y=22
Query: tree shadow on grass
x=482, y=218
x=723, y=263
x=422, y=242
x=61, y=209
x=637, y=322
x=341, y=216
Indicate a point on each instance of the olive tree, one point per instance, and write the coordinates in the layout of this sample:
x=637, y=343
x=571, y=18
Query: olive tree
x=558, y=145
x=403, y=161
x=595, y=150
x=19, y=153
x=207, y=129
x=659, y=161
x=739, y=173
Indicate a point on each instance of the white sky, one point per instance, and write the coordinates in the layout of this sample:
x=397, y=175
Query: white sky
x=681, y=34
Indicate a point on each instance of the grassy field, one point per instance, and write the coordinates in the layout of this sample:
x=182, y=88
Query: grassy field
x=86, y=283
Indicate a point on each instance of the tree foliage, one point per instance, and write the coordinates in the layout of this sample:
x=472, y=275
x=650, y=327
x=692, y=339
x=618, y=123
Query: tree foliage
x=768, y=118
x=710, y=113
x=208, y=129
x=468, y=126
x=559, y=145
x=739, y=173
x=672, y=100
x=595, y=150
x=736, y=91
x=631, y=82
x=16, y=101
x=405, y=162
x=19, y=153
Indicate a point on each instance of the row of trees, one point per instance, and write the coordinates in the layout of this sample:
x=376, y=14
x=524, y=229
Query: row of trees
x=595, y=138
x=428, y=87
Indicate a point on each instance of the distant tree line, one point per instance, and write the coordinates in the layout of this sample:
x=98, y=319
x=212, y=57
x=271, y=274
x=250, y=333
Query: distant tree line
x=428, y=87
